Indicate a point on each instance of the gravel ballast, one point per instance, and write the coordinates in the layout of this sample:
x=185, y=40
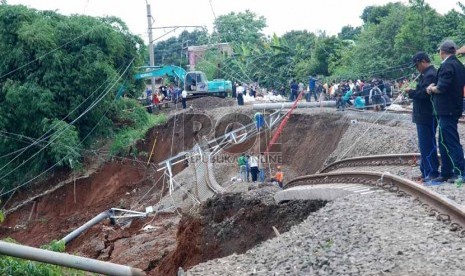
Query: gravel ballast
x=375, y=234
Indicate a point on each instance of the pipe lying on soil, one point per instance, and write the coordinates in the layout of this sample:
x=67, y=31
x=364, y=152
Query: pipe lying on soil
x=261, y=106
x=87, y=225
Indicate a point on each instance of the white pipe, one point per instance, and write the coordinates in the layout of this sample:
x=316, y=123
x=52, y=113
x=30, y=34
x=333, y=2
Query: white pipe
x=63, y=259
x=86, y=226
x=261, y=106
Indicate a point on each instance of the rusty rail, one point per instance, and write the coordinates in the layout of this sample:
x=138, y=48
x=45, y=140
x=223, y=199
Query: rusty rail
x=405, y=159
x=437, y=205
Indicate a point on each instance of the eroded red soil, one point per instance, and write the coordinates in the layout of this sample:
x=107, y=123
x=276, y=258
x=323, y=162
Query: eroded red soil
x=171, y=242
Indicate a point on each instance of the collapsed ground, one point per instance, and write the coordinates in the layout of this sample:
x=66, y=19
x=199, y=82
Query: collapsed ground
x=161, y=244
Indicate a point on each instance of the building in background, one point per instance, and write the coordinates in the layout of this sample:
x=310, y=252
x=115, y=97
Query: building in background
x=196, y=53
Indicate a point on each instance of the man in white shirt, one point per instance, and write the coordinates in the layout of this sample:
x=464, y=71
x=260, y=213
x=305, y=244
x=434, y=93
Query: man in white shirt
x=183, y=99
x=240, y=94
x=253, y=162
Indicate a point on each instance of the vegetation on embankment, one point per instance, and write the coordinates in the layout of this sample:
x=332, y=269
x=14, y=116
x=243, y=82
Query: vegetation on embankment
x=60, y=77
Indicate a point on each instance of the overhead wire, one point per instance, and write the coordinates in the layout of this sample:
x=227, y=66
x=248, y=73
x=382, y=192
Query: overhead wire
x=68, y=126
x=46, y=54
x=54, y=165
x=10, y=135
x=39, y=140
x=45, y=136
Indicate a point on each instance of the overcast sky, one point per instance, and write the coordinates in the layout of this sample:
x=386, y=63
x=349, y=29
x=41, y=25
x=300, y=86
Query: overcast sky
x=281, y=16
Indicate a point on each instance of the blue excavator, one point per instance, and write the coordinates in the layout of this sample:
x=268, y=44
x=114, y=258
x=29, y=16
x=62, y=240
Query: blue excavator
x=194, y=82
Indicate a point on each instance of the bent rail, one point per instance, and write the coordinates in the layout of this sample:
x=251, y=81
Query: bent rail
x=443, y=208
x=406, y=159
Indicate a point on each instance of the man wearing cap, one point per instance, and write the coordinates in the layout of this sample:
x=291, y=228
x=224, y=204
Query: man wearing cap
x=423, y=117
x=448, y=104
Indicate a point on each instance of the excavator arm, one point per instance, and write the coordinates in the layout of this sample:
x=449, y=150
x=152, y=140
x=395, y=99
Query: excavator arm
x=162, y=71
x=194, y=82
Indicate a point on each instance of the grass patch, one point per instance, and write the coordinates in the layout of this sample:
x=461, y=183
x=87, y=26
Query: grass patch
x=126, y=138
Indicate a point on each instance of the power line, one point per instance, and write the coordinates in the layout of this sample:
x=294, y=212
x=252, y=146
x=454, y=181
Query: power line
x=44, y=136
x=46, y=54
x=67, y=126
x=58, y=162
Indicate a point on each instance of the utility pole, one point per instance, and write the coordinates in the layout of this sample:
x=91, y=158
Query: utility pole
x=151, y=48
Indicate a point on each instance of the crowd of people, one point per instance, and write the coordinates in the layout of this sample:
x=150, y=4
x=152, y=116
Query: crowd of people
x=375, y=94
x=165, y=94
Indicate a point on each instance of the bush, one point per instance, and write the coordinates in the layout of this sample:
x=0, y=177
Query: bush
x=138, y=122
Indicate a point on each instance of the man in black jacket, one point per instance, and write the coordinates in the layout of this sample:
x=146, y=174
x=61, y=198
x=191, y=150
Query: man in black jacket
x=423, y=117
x=448, y=104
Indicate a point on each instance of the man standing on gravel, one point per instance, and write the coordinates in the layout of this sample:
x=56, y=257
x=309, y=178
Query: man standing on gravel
x=423, y=117
x=448, y=105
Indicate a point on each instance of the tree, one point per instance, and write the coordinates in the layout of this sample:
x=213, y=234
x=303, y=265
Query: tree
x=374, y=52
x=375, y=14
x=413, y=35
x=324, y=51
x=349, y=32
x=244, y=27
x=59, y=79
x=451, y=25
x=172, y=50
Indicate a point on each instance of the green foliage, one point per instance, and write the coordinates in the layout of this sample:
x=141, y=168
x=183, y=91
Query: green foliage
x=172, y=50
x=415, y=34
x=64, y=148
x=56, y=246
x=2, y=215
x=15, y=266
x=60, y=77
x=376, y=14
x=374, y=51
x=129, y=113
x=325, y=50
x=211, y=64
x=245, y=27
x=137, y=123
x=349, y=33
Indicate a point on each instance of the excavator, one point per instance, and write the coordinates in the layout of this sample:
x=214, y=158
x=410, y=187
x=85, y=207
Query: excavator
x=194, y=82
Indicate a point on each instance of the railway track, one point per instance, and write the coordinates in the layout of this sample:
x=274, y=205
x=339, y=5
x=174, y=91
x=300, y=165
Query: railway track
x=375, y=162
x=353, y=171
